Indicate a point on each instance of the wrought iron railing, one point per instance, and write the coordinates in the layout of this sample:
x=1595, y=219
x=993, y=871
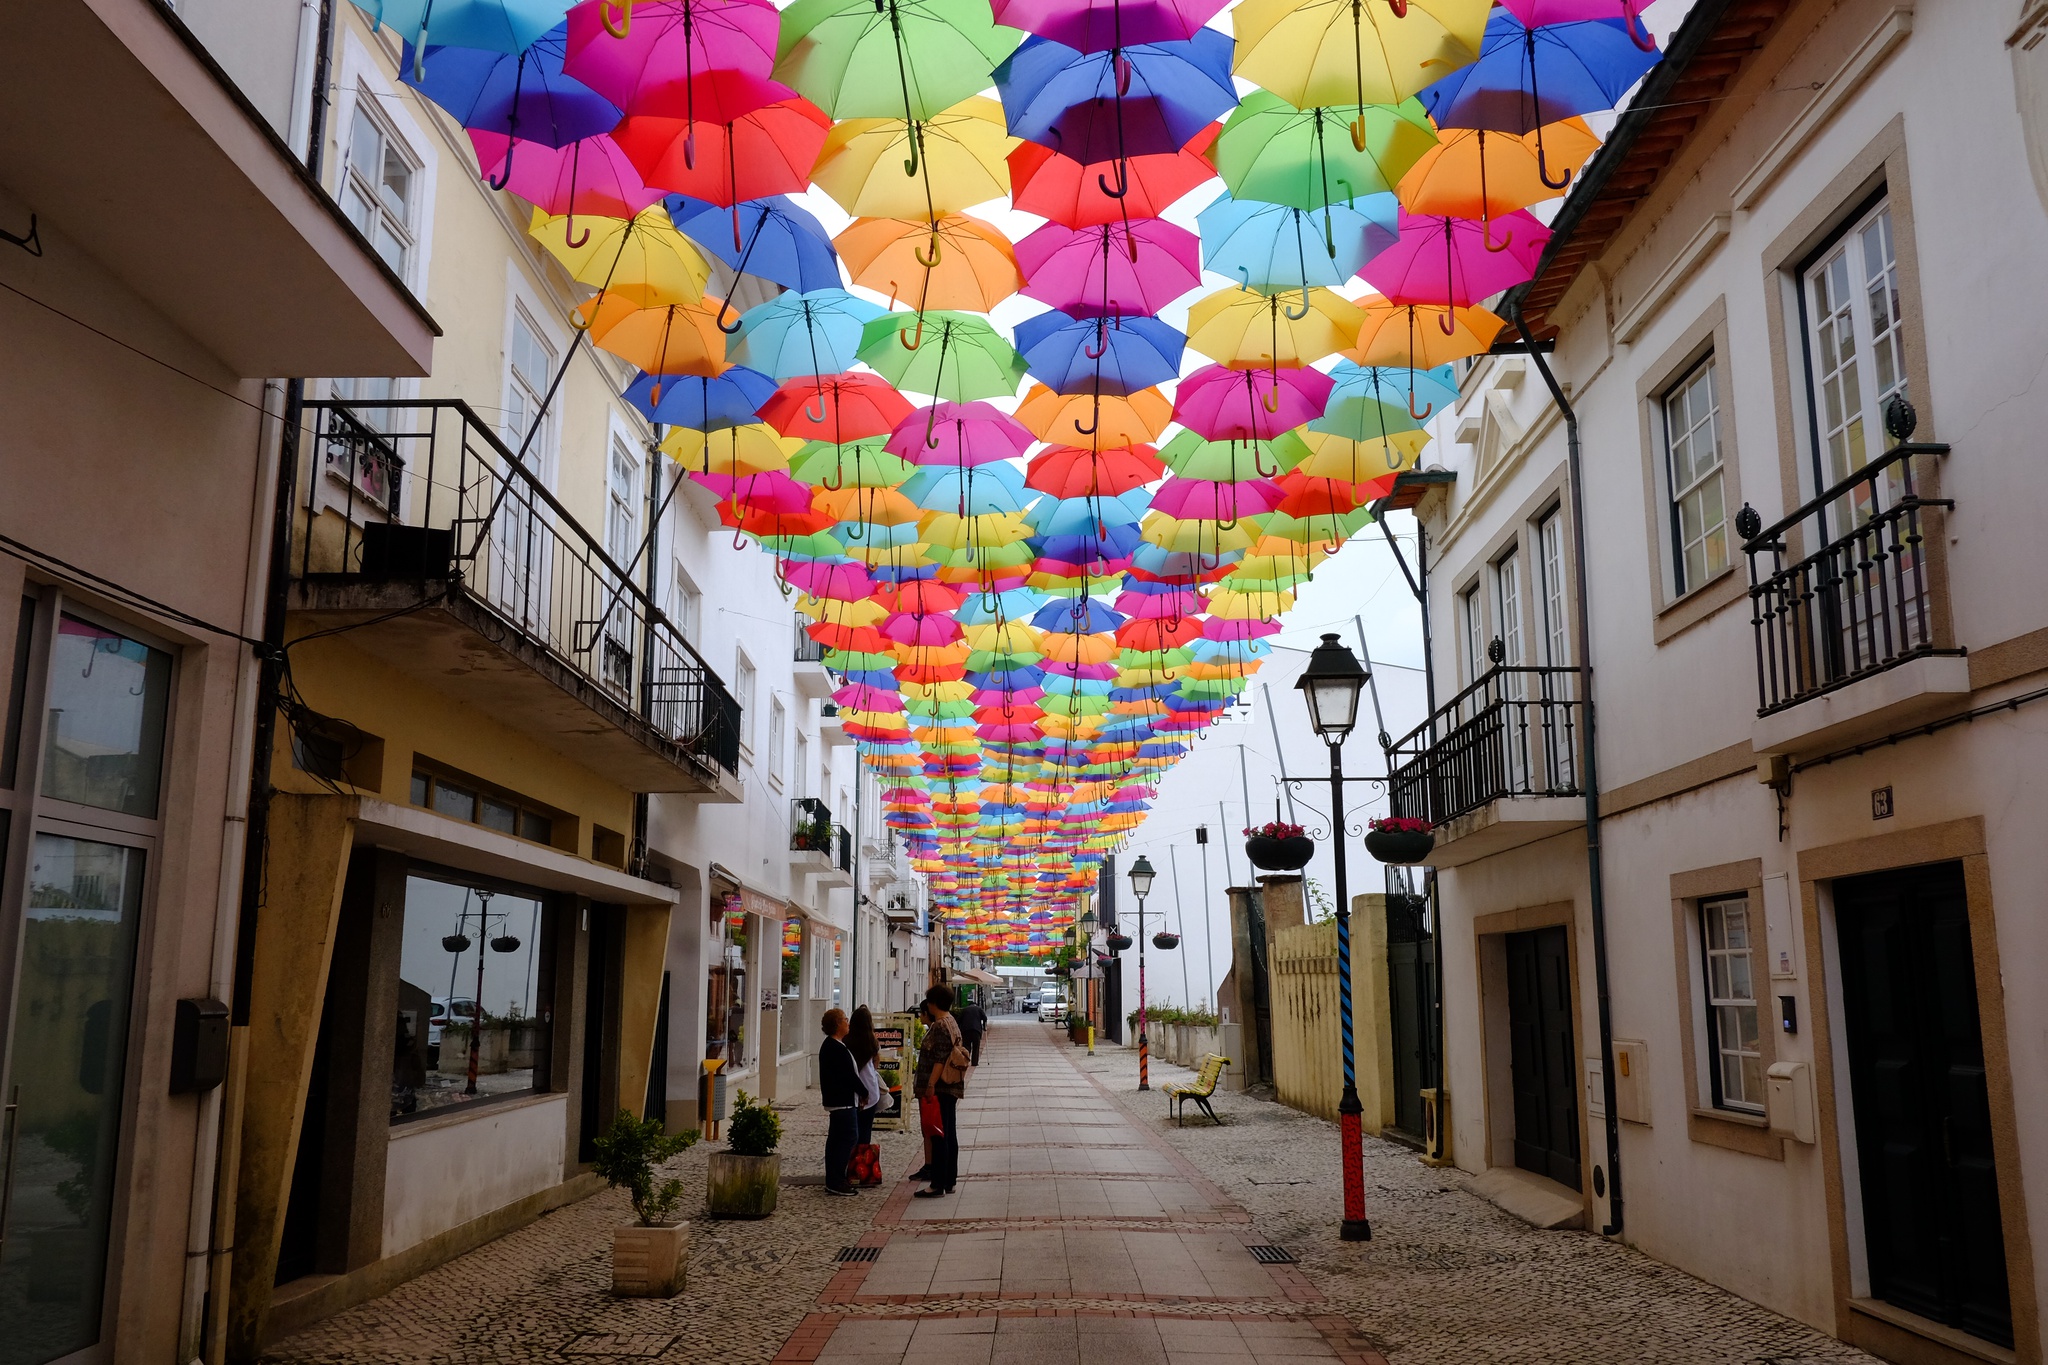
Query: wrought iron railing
x=808, y=651
x=1861, y=602
x=1513, y=732
x=810, y=826
x=461, y=511
x=845, y=848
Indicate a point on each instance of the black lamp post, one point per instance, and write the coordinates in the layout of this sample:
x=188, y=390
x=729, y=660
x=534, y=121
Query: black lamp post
x=1141, y=887
x=1331, y=684
x=1085, y=932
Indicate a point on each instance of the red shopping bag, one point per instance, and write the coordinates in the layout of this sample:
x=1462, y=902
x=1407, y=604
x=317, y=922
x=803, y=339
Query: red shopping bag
x=866, y=1166
x=929, y=1121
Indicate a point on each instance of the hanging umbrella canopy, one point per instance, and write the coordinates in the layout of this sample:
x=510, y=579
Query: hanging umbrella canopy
x=1113, y=270
x=959, y=434
x=1097, y=25
x=1142, y=99
x=803, y=334
x=663, y=44
x=1072, y=193
x=525, y=96
x=751, y=449
x=670, y=339
x=1078, y=472
x=773, y=238
x=1473, y=173
x=764, y=152
x=959, y=154
x=954, y=262
x=944, y=354
x=1273, y=247
x=590, y=176
x=1422, y=336
x=1246, y=330
x=1375, y=402
x=1096, y=355
x=1306, y=158
x=493, y=25
x=1452, y=260
x=642, y=258
x=906, y=59
x=1099, y=423
x=1225, y=405
x=1332, y=456
x=705, y=403
x=1336, y=52
x=838, y=407
x=1190, y=456
x=853, y=464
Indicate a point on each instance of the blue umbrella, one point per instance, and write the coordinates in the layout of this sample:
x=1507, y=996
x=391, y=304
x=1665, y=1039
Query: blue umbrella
x=498, y=25
x=1114, y=356
x=1069, y=516
x=1526, y=77
x=523, y=94
x=973, y=491
x=1271, y=247
x=702, y=403
x=772, y=238
x=1375, y=401
x=793, y=335
x=1113, y=105
x=1081, y=616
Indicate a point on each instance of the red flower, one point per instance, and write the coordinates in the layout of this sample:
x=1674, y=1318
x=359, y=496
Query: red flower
x=1274, y=829
x=1398, y=824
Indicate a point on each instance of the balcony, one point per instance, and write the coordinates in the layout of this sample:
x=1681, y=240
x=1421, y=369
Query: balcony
x=1848, y=637
x=1497, y=766
x=818, y=847
x=427, y=540
x=812, y=679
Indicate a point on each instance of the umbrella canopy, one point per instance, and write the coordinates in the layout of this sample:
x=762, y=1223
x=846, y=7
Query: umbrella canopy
x=953, y=262
x=1471, y=173
x=1233, y=405
x=1073, y=193
x=1111, y=270
x=764, y=152
x=1096, y=355
x=668, y=339
x=905, y=59
x=1373, y=402
x=1336, y=52
x=838, y=407
x=1278, y=154
x=851, y=464
x=959, y=434
x=589, y=176
x=1141, y=99
x=494, y=25
x=772, y=238
x=1096, y=25
x=1098, y=421
x=1248, y=330
x=944, y=354
x=751, y=449
x=1421, y=336
x=649, y=64
x=1068, y=472
x=1274, y=247
x=1452, y=260
x=1329, y=456
x=706, y=403
x=798, y=334
x=642, y=258
x=525, y=96
x=959, y=154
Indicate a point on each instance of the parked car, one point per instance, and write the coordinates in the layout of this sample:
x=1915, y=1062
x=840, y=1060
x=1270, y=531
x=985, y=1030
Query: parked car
x=459, y=1010
x=1028, y=1005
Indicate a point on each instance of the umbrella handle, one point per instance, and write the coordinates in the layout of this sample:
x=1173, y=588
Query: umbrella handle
x=1244, y=273
x=1507, y=240
x=1399, y=7
x=1123, y=181
x=1096, y=424
x=936, y=256
x=838, y=472
x=911, y=343
x=1448, y=323
x=625, y=10
x=1260, y=469
x=1427, y=408
x=1358, y=134
x=1101, y=344
x=569, y=237
x=723, y=308
x=818, y=402
x=1292, y=315
x=1543, y=167
x=504, y=176
x=690, y=149
x=1270, y=399
x=1638, y=31
x=419, y=45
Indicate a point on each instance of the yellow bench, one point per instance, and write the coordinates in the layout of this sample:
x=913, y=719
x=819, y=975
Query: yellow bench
x=1199, y=1090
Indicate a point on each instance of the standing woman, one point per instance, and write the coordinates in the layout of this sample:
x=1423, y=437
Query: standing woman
x=941, y=1084
x=839, y=1088
x=866, y=1167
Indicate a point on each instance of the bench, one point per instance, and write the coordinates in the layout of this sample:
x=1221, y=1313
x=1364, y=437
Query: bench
x=1199, y=1090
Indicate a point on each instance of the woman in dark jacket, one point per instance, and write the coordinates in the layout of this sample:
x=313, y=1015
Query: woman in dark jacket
x=866, y=1048
x=934, y=1058
x=839, y=1088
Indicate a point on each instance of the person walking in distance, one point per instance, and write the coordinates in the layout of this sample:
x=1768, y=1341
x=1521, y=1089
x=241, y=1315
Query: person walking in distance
x=840, y=1089
x=940, y=1085
x=866, y=1168
x=973, y=1021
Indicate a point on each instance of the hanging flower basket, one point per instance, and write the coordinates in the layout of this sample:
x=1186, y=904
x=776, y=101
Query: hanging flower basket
x=455, y=943
x=1278, y=847
x=1399, y=839
x=1165, y=940
x=1119, y=942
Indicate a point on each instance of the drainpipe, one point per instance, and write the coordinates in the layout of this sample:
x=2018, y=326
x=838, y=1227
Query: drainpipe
x=1589, y=778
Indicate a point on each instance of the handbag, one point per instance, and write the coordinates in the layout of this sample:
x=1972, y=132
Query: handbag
x=930, y=1121
x=866, y=1166
x=953, y=1071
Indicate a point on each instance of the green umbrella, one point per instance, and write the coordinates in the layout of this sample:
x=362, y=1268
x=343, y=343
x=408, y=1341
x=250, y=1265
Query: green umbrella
x=955, y=356
x=1191, y=457
x=907, y=59
x=1304, y=158
x=855, y=464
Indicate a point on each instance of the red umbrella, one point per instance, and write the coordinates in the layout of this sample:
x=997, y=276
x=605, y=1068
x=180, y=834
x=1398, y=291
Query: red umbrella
x=1157, y=634
x=1074, y=472
x=1220, y=404
x=920, y=596
x=769, y=151
x=836, y=582
x=1062, y=189
x=838, y=408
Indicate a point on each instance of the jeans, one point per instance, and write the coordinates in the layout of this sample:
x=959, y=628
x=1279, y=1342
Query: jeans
x=867, y=1124
x=844, y=1127
x=946, y=1146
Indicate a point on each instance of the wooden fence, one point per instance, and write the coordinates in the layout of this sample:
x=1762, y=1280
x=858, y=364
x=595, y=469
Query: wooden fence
x=1308, y=1046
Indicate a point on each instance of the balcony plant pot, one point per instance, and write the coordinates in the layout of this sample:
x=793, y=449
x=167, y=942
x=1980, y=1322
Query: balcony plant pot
x=650, y=1263
x=1279, y=855
x=1400, y=846
x=737, y=1186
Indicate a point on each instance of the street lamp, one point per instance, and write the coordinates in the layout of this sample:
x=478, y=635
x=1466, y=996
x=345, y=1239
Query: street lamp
x=1085, y=954
x=1331, y=684
x=1141, y=886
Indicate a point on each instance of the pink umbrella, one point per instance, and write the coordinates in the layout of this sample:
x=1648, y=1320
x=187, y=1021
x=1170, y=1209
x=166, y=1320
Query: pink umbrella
x=1115, y=269
x=590, y=176
x=667, y=43
x=1222, y=404
x=908, y=628
x=959, y=434
x=1214, y=628
x=861, y=697
x=837, y=582
x=1443, y=260
x=1098, y=25
x=1536, y=13
x=1159, y=605
x=1215, y=500
x=773, y=491
x=989, y=696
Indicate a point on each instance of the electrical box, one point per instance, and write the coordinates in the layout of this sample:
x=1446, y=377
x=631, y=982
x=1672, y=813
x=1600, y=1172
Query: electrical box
x=1788, y=1100
x=199, y=1046
x=1632, y=1081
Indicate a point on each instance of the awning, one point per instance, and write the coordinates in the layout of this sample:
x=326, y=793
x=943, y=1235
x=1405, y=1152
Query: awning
x=977, y=976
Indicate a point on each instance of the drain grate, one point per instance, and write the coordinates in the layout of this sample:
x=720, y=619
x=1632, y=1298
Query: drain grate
x=1272, y=1255
x=859, y=1254
x=616, y=1344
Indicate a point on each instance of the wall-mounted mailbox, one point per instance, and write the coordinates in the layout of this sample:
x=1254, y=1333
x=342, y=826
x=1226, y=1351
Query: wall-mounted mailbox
x=199, y=1046
x=1631, y=1081
x=1788, y=1096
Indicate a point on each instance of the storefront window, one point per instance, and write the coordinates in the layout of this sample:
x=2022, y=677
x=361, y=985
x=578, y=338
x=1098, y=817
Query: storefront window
x=105, y=741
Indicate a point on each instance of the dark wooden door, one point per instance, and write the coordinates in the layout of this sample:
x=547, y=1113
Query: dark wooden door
x=1543, y=1055
x=1411, y=1001
x=1923, y=1115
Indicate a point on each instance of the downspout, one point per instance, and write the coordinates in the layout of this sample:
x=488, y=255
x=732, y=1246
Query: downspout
x=1589, y=778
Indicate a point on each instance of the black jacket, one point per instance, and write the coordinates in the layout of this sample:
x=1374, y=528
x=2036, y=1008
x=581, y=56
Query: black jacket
x=973, y=1021
x=838, y=1076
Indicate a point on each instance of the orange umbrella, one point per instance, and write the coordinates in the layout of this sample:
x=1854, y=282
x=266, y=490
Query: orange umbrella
x=1075, y=418
x=676, y=338
x=1471, y=174
x=953, y=262
x=1413, y=336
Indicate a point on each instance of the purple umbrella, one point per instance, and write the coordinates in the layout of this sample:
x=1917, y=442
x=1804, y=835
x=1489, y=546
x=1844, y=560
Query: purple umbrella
x=526, y=96
x=1443, y=260
x=1100, y=271
x=1220, y=404
x=1098, y=25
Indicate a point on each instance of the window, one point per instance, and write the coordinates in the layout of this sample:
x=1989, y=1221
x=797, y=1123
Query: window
x=622, y=542
x=686, y=605
x=792, y=957
x=1734, y=1052
x=1692, y=470
x=778, y=727
x=472, y=803
x=1856, y=356
x=379, y=188
x=800, y=775
x=1557, y=650
x=1507, y=593
x=1472, y=612
x=529, y=370
x=743, y=693
x=371, y=467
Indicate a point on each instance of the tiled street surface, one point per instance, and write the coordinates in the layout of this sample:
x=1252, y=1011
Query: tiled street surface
x=1086, y=1231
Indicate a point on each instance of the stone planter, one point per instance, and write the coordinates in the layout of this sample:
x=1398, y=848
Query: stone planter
x=738, y=1186
x=1399, y=846
x=1280, y=855
x=650, y=1263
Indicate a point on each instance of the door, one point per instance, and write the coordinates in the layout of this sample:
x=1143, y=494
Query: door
x=1411, y=998
x=1543, y=1055
x=1923, y=1116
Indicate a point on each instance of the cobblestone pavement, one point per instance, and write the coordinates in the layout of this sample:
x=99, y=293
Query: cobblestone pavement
x=1086, y=1231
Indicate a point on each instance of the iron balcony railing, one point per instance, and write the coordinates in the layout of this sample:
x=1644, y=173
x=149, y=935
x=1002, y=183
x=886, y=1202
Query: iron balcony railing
x=1861, y=602
x=457, y=508
x=845, y=848
x=808, y=651
x=1513, y=732
x=810, y=826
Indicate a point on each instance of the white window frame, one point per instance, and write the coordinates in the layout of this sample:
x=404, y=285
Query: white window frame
x=778, y=739
x=1472, y=625
x=362, y=84
x=1861, y=431
x=1685, y=430
x=1556, y=624
x=686, y=604
x=745, y=684
x=1723, y=1002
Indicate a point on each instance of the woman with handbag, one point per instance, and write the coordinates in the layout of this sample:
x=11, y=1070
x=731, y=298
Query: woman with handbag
x=941, y=1083
x=866, y=1167
x=839, y=1088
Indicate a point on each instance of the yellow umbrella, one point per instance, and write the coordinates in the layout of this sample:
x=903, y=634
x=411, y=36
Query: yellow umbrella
x=960, y=162
x=1471, y=173
x=752, y=449
x=1413, y=336
x=1248, y=330
x=865, y=612
x=1195, y=536
x=642, y=258
x=1315, y=53
x=952, y=531
x=1332, y=456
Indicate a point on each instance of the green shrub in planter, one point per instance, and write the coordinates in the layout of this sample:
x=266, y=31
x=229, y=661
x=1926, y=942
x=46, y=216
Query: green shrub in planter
x=649, y=1257
x=744, y=1180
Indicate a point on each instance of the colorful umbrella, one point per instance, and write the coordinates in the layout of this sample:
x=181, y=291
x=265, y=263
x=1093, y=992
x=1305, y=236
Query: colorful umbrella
x=944, y=354
x=1073, y=193
x=1138, y=100
x=1348, y=52
x=642, y=258
x=906, y=59
x=1098, y=355
x=1249, y=405
x=523, y=95
x=1097, y=25
x=1307, y=158
x=1272, y=247
x=1452, y=260
x=800, y=334
x=772, y=238
x=958, y=152
x=953, y=262
x=760, y=153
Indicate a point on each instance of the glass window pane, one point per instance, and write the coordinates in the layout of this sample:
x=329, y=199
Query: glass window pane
x=17, y=692
x=397, y=187
x=538, y=828
x=69, y=1040
x=366, y=146
x=419, y=789
x=438, y=989
x=450, y=799
x=104, y=744
x=498, y=816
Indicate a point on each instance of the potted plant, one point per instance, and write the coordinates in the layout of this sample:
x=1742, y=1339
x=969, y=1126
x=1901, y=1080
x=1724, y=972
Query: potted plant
x=1277, y=846
x=745, y=1178
x=1399, y=838
x=1119, y=943
x=1164, y=940
x=651, y=1255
